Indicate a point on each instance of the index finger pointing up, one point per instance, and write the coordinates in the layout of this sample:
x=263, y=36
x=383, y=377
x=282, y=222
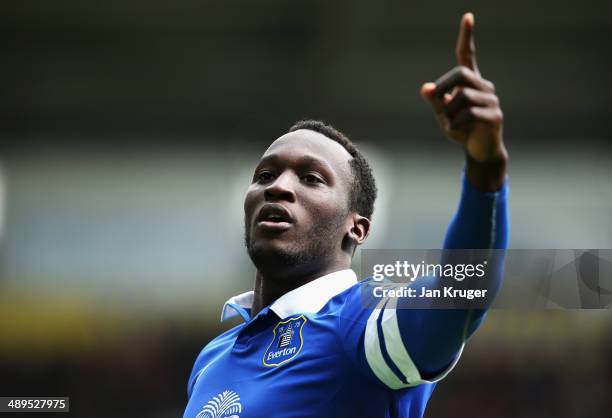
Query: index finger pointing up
x=466, y=48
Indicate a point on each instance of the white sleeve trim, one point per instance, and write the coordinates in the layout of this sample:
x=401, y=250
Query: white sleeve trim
x=373, y=352
x=396, y=350
x=395, y=345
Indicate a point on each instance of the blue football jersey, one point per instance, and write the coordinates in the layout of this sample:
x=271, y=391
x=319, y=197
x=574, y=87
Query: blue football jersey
x=317, y=351
x=321, y=351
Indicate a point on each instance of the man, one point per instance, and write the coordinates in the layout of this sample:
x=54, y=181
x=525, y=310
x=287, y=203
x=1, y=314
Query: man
x=308, y=346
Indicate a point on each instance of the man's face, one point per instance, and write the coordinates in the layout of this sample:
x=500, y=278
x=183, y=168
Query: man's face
x=296, y=208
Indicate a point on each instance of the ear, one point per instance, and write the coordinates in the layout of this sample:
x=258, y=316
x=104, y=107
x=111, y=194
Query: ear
x=359, y=229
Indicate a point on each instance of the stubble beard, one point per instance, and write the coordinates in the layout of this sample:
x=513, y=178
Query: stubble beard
x=306, y=253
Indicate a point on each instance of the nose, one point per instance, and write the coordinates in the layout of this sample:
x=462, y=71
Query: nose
x=281, y=188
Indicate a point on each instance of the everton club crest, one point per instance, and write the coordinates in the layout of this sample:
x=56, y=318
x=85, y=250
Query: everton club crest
x=286, y=343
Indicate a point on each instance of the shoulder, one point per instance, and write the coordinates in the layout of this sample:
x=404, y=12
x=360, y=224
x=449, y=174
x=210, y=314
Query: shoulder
x=211, y=350
x=219, y=343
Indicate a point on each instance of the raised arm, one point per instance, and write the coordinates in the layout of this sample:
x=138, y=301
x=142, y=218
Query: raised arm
x=468, y=111
x=406, y=347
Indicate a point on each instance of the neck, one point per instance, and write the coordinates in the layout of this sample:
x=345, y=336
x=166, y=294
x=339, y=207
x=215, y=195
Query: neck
x=269, y=288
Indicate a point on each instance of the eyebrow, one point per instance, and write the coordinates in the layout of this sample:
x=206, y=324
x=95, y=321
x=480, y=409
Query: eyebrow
x=305, y=159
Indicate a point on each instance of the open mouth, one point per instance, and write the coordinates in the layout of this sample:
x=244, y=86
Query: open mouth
x=274, y=217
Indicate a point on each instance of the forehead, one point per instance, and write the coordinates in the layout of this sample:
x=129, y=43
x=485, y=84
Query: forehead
x=305, y=143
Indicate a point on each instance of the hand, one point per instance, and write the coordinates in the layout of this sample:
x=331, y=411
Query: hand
x=468, y=111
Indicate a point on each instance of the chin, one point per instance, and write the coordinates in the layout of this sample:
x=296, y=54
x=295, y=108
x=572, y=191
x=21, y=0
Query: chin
x=269, y=249
x=272, y=255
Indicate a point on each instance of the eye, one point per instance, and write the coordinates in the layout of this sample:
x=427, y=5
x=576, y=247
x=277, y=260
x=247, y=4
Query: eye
x=311, y=178
x=264, y=177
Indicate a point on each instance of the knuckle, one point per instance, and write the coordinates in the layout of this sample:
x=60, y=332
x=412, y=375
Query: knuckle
x=472, y=96
x=499, y=115
x=464, y=71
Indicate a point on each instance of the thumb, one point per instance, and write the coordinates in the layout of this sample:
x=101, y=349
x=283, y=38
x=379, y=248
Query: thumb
x=428, y=91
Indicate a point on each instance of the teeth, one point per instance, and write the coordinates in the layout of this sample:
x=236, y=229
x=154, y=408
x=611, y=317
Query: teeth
x=275, y=217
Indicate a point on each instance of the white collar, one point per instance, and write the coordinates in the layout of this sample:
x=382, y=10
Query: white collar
x=308, y=298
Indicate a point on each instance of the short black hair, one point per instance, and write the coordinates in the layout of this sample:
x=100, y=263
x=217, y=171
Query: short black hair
x=363, y=189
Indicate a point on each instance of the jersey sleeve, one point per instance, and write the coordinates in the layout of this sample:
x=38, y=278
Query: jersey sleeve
x=407, y=347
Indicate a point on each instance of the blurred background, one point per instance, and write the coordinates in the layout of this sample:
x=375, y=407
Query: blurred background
x=129, y=131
